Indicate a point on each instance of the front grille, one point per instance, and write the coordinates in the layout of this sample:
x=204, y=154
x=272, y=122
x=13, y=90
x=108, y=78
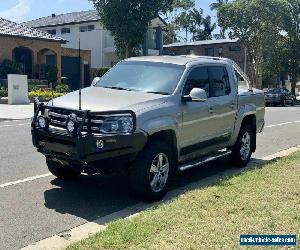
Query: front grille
x=58, y=119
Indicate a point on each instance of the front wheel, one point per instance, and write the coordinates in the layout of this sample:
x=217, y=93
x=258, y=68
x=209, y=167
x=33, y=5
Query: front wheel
x=284, y=103
x=242, y=150
x=61, y=171
x=150, y=173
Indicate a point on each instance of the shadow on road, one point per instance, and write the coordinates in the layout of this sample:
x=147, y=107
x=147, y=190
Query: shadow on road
x=94, y=197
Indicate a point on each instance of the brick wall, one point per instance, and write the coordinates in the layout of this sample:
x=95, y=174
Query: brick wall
x=229, y=50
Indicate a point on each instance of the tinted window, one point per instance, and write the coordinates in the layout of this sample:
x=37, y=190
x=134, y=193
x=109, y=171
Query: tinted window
x=235, y=48
x=220, y=85
x=209, y=52
x=52, y=32
x=198, y=78
x=65, y=30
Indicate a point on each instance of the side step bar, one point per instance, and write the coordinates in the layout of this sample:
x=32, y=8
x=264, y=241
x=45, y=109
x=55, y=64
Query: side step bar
x=203, y=160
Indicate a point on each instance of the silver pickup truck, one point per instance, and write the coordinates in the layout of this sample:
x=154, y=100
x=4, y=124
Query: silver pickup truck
x=152, y=117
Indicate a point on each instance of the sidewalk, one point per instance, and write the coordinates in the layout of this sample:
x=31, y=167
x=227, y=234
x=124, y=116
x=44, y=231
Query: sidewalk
x=15, y=112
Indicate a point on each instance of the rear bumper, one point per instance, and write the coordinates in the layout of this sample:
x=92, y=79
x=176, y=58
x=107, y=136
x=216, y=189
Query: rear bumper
x=84, y=150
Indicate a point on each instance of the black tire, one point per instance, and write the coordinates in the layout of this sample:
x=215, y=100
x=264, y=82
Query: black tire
x=61, y=171
x=293, y=103
x=237, y=159
x=140, y=176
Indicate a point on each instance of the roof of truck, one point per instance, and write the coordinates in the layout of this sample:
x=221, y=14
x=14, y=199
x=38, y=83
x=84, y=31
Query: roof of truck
x=179, y=60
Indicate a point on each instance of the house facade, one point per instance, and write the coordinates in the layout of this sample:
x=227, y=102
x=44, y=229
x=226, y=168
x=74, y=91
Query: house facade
x=227, y=48
x=33, y=49
x=86, y=27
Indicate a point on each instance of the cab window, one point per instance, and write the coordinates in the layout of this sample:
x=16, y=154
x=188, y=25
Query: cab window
x=198, y=78
x=220, y=85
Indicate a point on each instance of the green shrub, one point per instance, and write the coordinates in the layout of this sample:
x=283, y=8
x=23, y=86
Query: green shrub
x=62, y=88
x=101, y=72
x=32, y=87
x=44, y=95
x=51, y=73
x=9, y=67
x=3, y=92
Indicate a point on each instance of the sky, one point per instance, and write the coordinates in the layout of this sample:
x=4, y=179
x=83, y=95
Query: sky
x=25, y=10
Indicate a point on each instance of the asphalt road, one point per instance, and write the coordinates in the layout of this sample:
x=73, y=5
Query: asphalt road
x=43, y=206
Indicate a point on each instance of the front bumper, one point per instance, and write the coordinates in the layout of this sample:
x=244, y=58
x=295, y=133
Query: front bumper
x=84, y=150
x=81, y=148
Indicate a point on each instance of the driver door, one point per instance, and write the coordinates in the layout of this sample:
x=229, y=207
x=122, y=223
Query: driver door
x=198, y=117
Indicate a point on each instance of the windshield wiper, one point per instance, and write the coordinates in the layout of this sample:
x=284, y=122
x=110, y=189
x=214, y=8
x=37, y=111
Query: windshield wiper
x=158, y=92
x=117, y=88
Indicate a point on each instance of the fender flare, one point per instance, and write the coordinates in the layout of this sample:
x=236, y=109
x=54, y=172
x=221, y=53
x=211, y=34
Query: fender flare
x=243, y=112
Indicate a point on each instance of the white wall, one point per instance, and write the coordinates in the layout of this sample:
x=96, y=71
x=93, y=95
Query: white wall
x=99, y=41
x=90, y=40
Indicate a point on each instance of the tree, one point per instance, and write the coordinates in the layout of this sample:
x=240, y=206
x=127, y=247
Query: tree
x=290, y=14
x=178, y=7
x=253, y=22
x=128, y=20
x=196, y=18
x=205, y=33
x=184, y=22
x=216, y=6
x=170, y=35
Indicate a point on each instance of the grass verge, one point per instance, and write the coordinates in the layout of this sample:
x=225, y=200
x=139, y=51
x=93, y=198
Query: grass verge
x=264, y=200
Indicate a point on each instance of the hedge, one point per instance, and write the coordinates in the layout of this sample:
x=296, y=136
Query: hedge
x=44, y=95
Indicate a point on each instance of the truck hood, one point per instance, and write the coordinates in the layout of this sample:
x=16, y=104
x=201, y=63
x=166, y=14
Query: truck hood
x=99, y=99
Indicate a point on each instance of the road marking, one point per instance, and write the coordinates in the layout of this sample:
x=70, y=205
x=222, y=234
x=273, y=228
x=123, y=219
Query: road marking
x=14, y=125
x=281, y=124
x=25, y=180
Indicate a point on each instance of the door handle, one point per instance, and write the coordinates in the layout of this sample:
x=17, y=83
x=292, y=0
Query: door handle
x=211, y=110
x=233, y=105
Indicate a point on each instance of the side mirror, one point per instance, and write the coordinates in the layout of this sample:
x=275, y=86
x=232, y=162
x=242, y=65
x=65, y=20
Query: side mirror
x=196, y=95
x=95, y=81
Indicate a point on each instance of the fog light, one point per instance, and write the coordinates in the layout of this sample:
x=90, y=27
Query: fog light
x=42, y=122
x=100, y=144
x=71, y=126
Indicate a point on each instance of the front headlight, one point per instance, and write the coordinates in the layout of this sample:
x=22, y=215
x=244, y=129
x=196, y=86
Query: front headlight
x=115, y=125
x=43, y=122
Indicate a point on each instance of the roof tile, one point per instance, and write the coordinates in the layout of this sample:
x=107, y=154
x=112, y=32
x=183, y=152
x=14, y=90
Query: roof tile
x=9, y=28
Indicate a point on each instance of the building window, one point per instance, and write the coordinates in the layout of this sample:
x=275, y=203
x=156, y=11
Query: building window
x=235, y=48
x=221, y=52
x=52, y=32
x=65, y=30
x=87, y=28
x=209, y=52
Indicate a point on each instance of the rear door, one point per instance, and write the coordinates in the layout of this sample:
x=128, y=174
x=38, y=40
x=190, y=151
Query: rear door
x=224, y=102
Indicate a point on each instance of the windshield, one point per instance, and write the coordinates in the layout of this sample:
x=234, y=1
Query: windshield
x=150, y=77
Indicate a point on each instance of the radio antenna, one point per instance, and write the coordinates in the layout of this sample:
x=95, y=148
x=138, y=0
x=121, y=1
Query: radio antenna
x=79, y=59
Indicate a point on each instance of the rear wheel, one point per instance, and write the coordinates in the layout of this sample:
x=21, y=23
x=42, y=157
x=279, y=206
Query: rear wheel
x=151, y=171
x=61, y=171
x=242, y=150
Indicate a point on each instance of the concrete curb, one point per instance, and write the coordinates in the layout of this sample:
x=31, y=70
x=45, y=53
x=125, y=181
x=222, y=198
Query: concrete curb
x=81, y=232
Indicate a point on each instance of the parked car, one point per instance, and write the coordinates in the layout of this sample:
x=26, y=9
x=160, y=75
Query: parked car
x=279, y=96
x=152, y=117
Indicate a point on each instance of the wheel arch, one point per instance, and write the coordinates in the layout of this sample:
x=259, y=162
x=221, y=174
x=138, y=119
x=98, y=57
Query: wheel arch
x=246, y=115
x=168, y=136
